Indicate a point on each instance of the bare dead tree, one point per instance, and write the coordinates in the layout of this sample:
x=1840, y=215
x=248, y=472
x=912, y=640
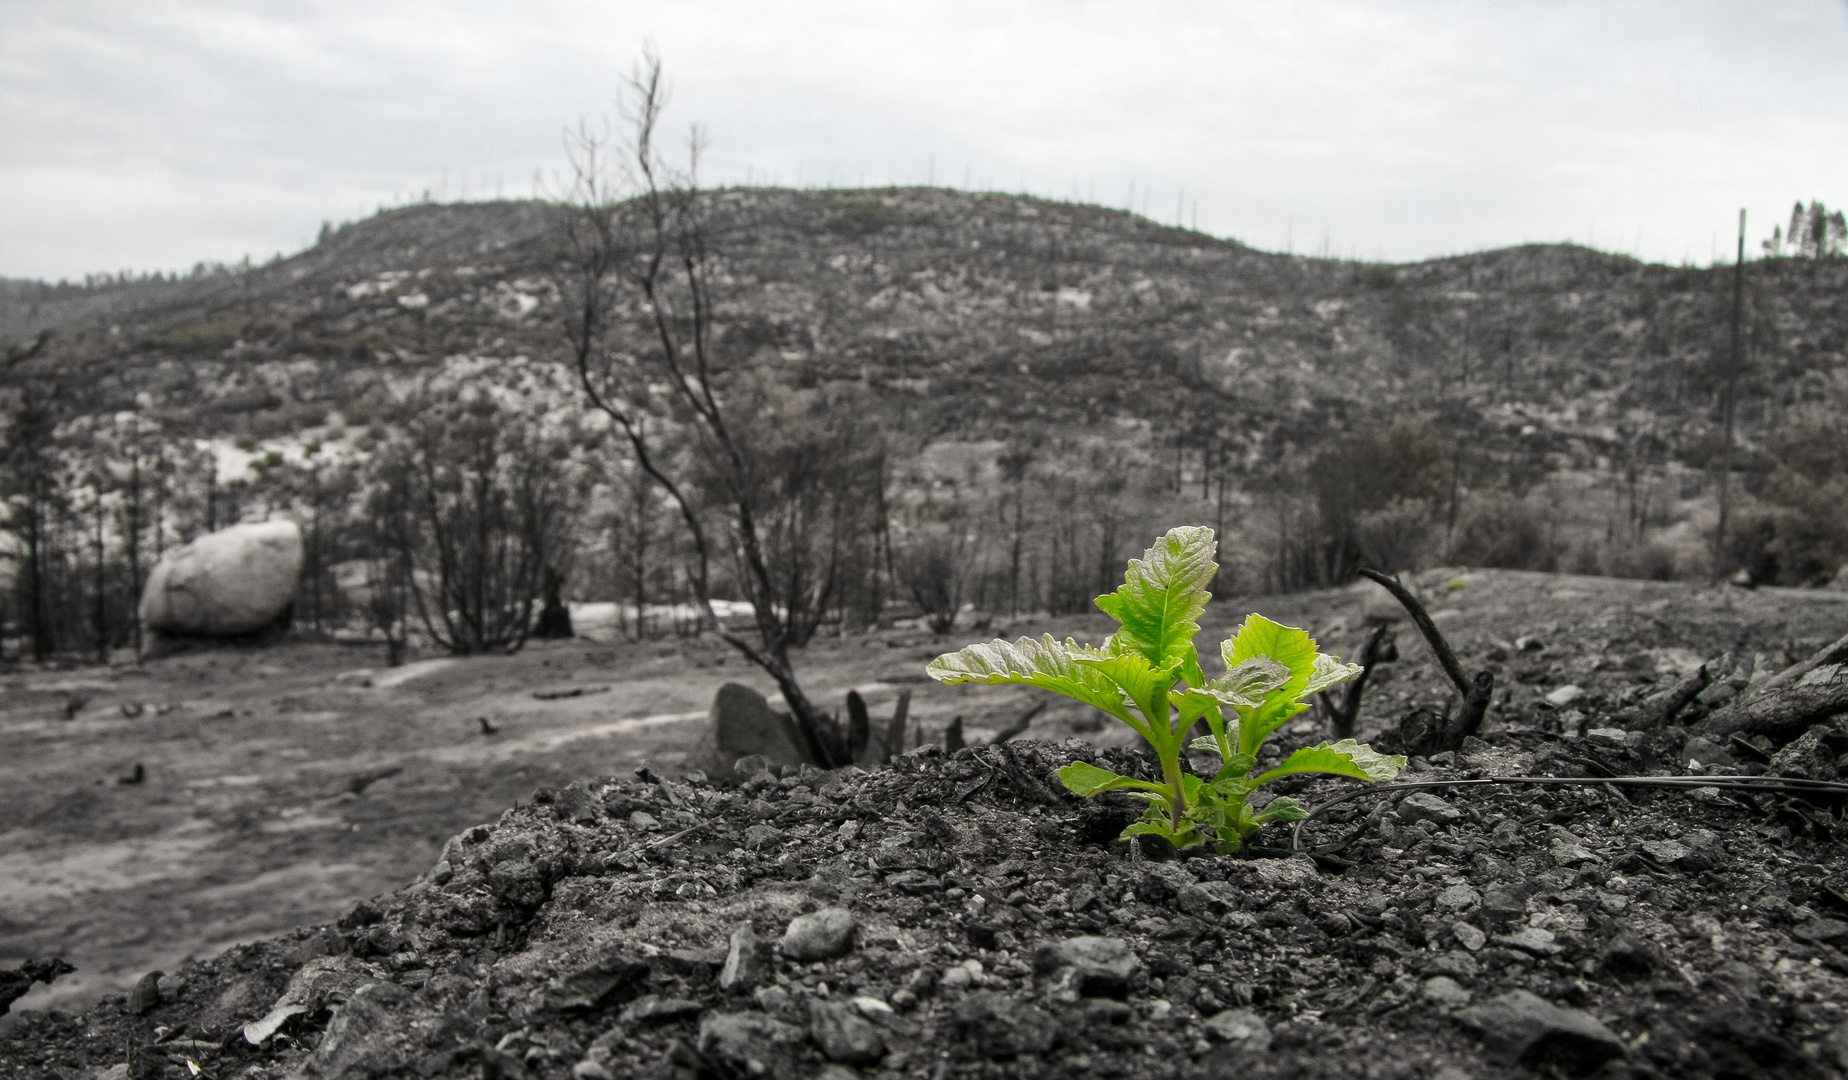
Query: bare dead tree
x=637, y=251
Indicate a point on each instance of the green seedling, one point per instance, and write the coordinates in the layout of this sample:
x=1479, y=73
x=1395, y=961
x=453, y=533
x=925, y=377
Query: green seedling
x=1148, y=676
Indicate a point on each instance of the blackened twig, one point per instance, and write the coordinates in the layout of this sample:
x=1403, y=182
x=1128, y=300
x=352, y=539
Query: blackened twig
x=1475, y=692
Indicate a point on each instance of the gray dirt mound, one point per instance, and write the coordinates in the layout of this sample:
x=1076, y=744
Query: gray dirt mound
x=963, y=916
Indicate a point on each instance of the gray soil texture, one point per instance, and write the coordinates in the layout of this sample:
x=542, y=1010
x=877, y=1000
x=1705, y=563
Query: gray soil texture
x=540, y=907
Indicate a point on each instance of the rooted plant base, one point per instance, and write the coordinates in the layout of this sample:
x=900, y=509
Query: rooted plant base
x=1487, y=931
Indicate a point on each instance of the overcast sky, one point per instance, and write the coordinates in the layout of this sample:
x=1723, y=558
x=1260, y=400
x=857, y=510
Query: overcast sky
x=151, y=134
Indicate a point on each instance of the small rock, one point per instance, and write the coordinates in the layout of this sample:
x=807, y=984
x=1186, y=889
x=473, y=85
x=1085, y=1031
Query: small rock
x=740, y=1040
x=1424, y=806
x=913, y=882
x=1505, y=901
x=1608, y=736
x=366, y=1035
x=1242, y=1026
x=651, y=1009
x=1565, y=695
x=1567, y=853
x=590, y=1070
x=1522, y=1028
x=1446, y=991
x=1458, y=898
x=1468, y=936
x=779, y=1003
x=590, y=986
x=872, y=1008
x=145, y=997
x=1528, y=643
x=1531, y=939
x=1085, y=967
x=1705, y=751
x=1613, y=903
x=1666, y=852
x=1630, y=958
x=1823, y=932
x=745, y=963
x=643, y=821
x=844, y=1034
x=1003, y=1027
x=1107, y=1011
x=1207, y=899
x=826, y=934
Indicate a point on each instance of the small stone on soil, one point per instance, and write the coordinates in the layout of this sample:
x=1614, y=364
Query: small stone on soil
x=824, y=935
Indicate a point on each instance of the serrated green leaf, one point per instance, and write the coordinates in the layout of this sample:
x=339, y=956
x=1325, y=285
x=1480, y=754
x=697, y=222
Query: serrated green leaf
x=1204, y=745
x=1162, y=596
x=1281, y=808
x=1345, y=758
x=1235, y=767
x=1143, y=683
x=1043, y=662
x=1085, y=779
x=1186, y=837
x=1328, y=672
x=1251, y=679
x=1287, y=645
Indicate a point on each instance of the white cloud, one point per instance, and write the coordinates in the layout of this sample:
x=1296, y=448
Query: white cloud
x=159, y=133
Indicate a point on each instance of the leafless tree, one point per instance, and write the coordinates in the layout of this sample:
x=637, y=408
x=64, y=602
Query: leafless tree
x=638, y=273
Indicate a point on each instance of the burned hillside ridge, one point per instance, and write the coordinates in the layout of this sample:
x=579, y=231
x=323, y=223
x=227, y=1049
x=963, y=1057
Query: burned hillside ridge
x=645, y=926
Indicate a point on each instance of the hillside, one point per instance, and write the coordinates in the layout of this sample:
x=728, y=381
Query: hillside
x=1541, y=407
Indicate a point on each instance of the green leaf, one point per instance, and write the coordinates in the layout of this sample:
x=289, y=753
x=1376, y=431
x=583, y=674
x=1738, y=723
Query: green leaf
x=1146, y=685
x=1287, y=645
x=1045, y=663
x=1085, y=779
x=1281, y=808
x=1345, y=758
x=1329, y=671
x=1205, y=744
x=1162, y=596
x=1236, y=767
x=1187, y=836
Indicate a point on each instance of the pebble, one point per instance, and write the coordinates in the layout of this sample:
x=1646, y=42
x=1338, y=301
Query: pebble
x=1243, y=1026
x=1446, y=991
x=589, y=986
x=1566, y=695
x=964, y=975
x=1458, y=898
x=1468, y=936
x=824, y=935
x=1608, y=736
x=1531, y=939
x=1665, y=852
x=1083, y=967
x=1424, y=806
x=745, y=963
x=651, y=1009
x=644, y=821
x=761, y=836
x=1523, y=1028
x=844, y=1034
x=146, y=995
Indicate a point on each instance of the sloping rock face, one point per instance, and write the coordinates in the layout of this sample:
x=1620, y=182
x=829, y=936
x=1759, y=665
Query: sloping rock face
x=224, y=584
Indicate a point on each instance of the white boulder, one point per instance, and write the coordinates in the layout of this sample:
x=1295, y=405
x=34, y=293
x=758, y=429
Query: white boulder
x=235, y=581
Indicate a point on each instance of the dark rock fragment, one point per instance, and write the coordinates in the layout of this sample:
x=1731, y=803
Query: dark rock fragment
x=1523, y=1028
x=1002, y=1027
x=1630, y=958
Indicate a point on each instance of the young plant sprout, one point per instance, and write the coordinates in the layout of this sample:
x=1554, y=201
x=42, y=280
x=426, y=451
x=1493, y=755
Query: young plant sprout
x=1148, y=676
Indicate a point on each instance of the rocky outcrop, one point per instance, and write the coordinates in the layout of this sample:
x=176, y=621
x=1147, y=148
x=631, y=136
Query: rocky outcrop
x=230, y=583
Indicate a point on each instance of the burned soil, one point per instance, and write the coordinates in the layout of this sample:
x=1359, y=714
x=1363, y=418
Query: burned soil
x=961, y=915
